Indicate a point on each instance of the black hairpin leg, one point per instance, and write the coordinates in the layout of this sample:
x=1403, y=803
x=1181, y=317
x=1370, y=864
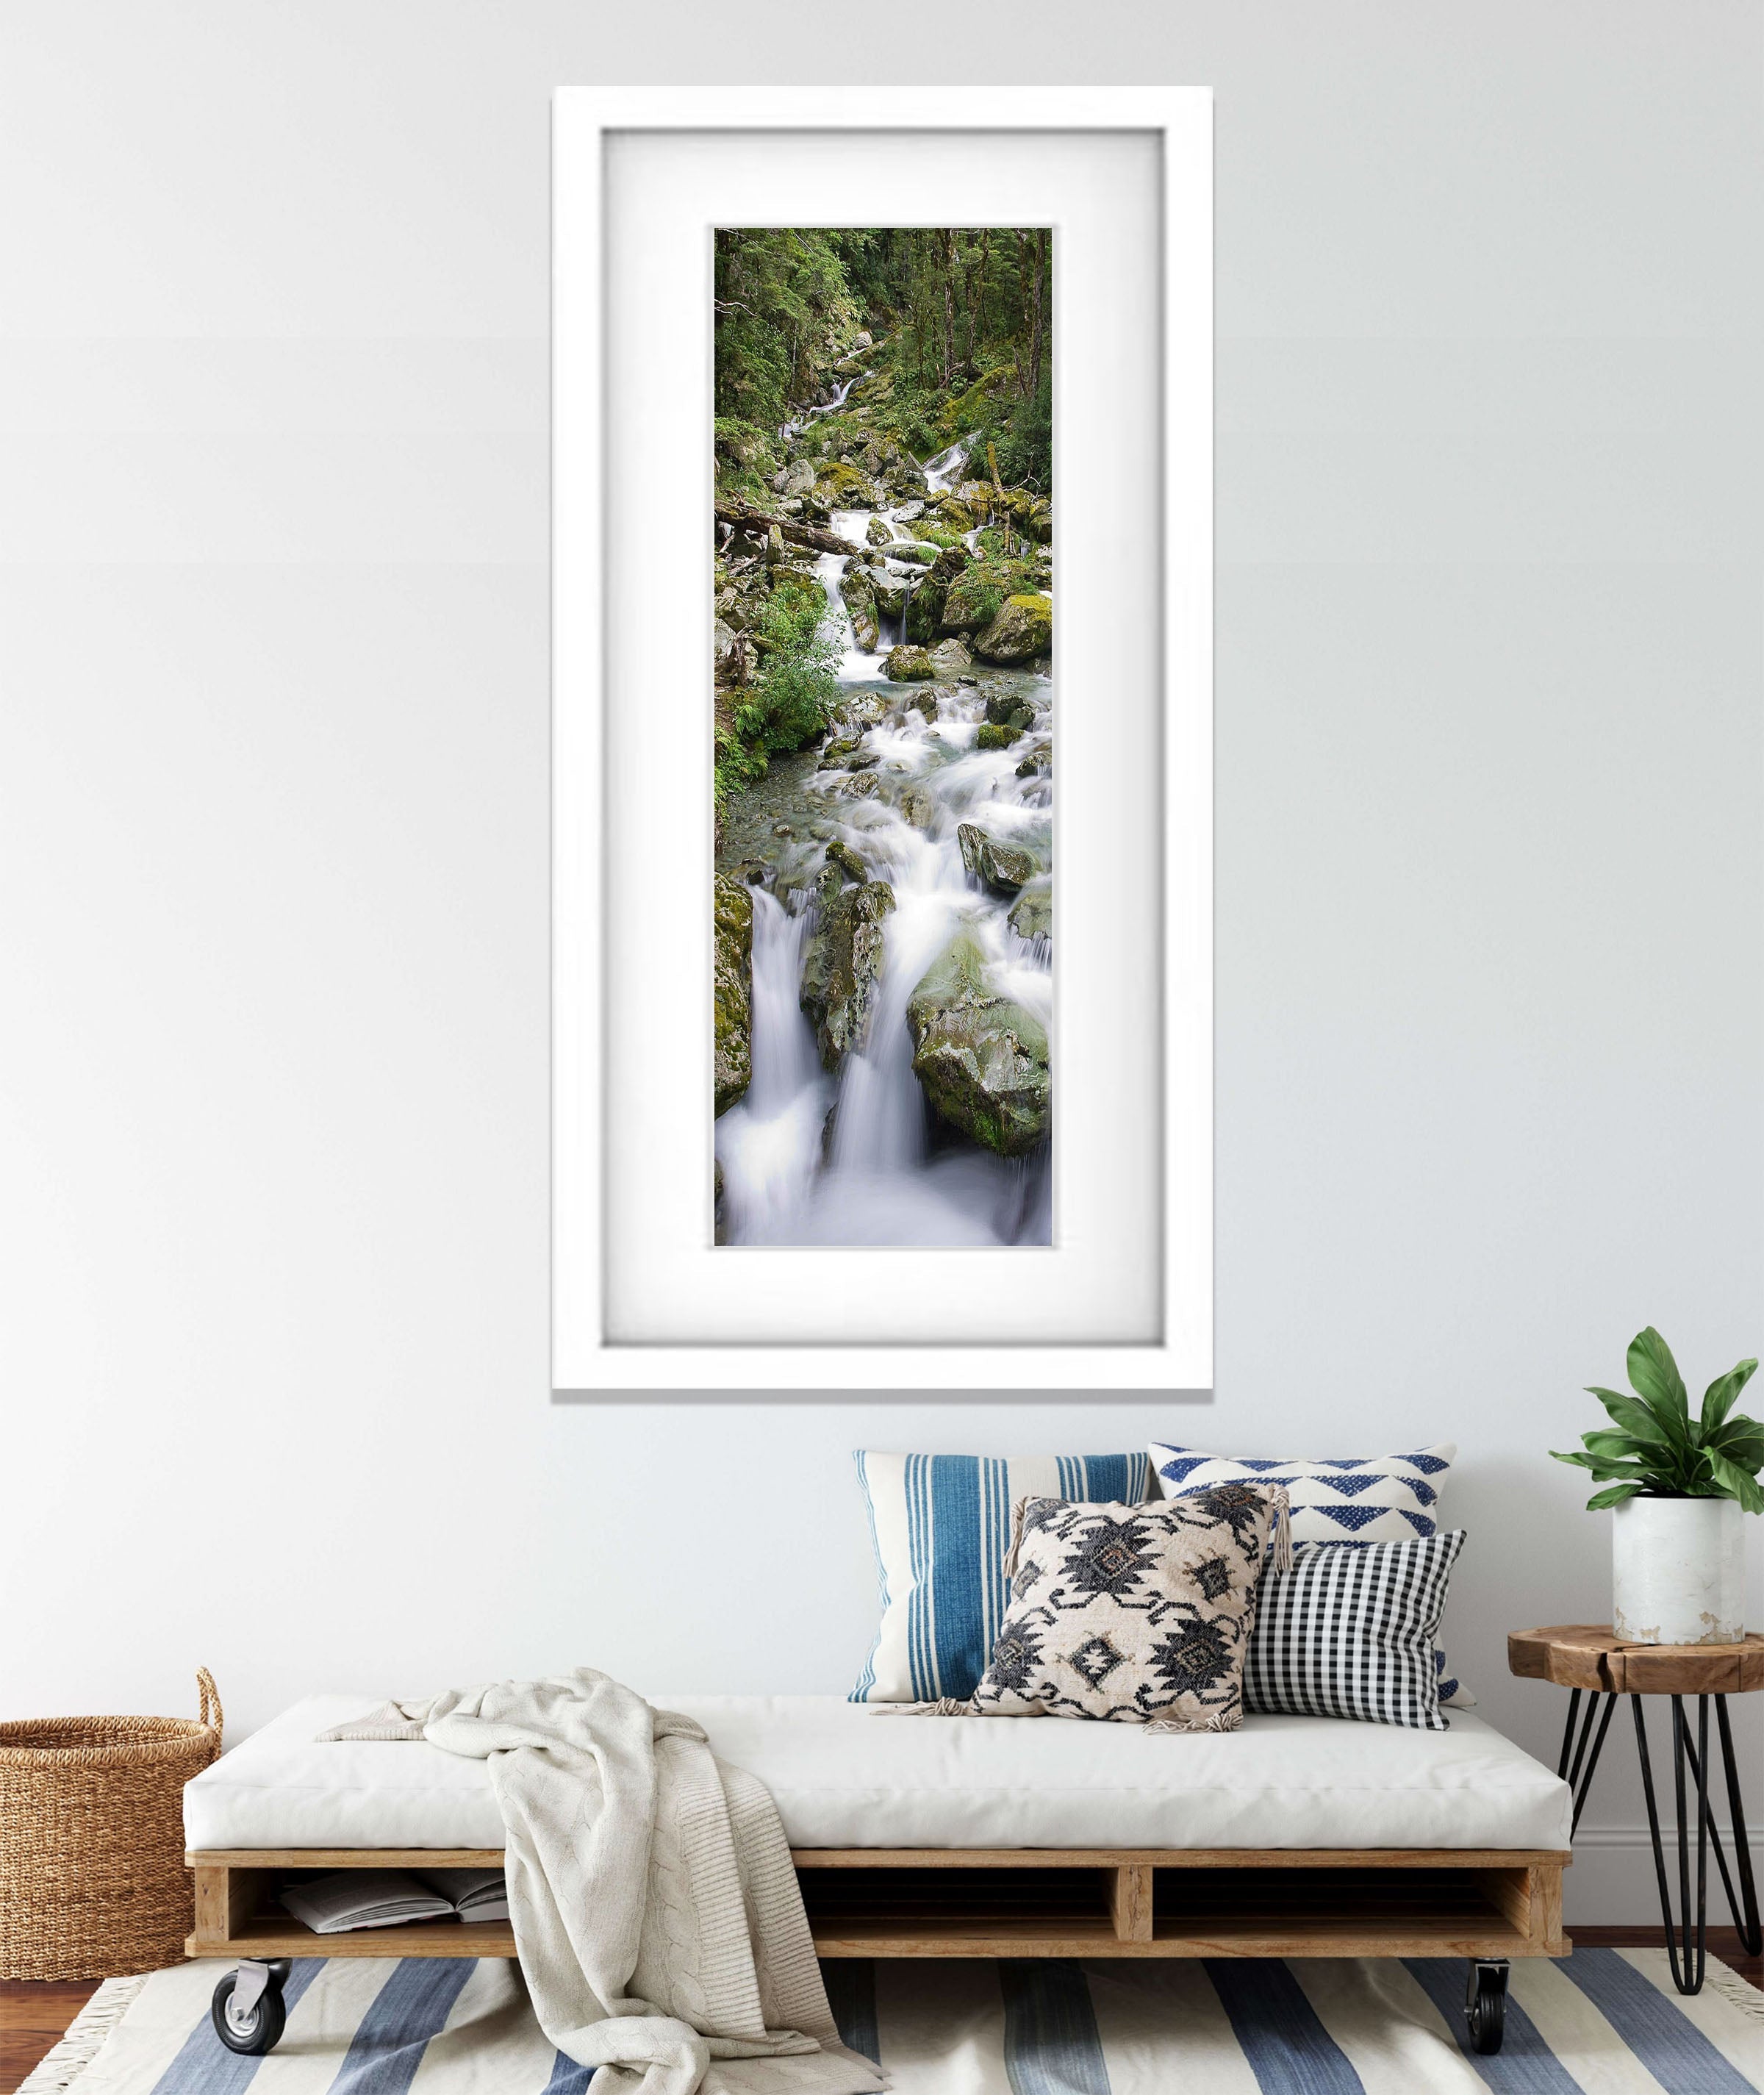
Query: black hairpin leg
x=1744, y=1905
x=1569, y=1767
x=1687, y=1972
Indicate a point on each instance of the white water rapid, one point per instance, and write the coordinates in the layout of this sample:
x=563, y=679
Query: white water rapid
x=859, y=1158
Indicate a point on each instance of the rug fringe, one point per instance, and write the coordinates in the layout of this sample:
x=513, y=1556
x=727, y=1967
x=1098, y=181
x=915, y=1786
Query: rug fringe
x=84, y=2040
x=1741, y=1992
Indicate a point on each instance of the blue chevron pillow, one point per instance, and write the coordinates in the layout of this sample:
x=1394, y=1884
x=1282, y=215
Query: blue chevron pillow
x=1351, y=1499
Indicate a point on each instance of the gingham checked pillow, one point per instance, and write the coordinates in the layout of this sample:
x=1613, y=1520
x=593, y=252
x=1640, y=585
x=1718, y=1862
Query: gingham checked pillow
x=1350, y=1499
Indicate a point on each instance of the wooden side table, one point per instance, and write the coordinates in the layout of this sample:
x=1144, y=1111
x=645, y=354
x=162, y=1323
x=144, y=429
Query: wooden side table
x=1590, y=1659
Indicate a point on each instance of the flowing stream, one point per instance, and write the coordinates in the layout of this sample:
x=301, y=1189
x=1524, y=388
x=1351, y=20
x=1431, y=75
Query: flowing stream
x=809, y=1158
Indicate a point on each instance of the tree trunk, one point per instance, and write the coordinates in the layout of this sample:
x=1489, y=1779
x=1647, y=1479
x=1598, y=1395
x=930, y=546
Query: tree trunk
x=948, y=238
x=977, y=288
x=1044, y=243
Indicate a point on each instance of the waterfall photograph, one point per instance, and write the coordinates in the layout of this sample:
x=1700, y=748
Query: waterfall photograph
x=883, y=580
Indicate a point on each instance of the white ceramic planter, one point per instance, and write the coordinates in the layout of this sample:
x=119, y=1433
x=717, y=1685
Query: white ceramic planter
x=1679, y=1570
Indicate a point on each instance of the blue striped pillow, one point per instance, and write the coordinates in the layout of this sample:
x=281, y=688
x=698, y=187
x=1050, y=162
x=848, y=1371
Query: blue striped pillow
x=941, y=1524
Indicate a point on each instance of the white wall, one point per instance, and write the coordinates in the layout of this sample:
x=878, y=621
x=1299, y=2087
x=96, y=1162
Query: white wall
x=273, y=825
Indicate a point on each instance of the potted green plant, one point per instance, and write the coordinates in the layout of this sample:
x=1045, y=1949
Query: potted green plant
x=1679, y=1488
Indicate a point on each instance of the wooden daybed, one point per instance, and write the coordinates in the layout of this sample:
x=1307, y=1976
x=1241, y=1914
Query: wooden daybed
x=1487, y=1903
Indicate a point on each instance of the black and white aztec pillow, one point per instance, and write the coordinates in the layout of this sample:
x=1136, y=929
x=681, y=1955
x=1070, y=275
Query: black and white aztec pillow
x=1350, y=1632
x=1351, y=1499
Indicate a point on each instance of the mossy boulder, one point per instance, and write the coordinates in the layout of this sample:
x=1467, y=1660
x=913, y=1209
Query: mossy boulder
x=981, y=591
x=1003, y=867
x=1008, y=709
x=732, y=990
x=839, y=753
x=860, y=598
x=992, y=736
x=982, y=1059
x=839, y=485
x=924, y=613
x=877, y=532
x=798, y=585
x=890, y=591
x=1032, y=914
x=1022, y=627
x=904, y=664
x=842, y=968
x=917, y=552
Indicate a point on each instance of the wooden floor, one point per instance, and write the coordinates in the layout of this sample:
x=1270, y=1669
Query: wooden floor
x=33, y=2016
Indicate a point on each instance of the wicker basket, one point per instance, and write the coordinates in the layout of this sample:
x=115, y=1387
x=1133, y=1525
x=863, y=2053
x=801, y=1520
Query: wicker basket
x=93, y=1884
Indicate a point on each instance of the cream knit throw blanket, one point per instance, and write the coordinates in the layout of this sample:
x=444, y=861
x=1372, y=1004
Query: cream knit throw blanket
x=659, y=1921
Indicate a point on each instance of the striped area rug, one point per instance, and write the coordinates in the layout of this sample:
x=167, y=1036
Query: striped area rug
x=1605, y=2021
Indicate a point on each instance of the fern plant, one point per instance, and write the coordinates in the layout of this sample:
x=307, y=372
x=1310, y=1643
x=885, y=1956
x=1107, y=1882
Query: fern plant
x=1655, y=1447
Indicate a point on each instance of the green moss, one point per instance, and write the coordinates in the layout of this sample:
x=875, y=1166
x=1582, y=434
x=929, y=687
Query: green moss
x=731, y=990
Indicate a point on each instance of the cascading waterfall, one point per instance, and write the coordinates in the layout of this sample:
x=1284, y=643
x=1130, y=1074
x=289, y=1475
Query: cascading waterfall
x=806, y=1158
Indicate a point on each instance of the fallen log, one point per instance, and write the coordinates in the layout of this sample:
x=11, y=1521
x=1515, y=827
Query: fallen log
x=757, y=522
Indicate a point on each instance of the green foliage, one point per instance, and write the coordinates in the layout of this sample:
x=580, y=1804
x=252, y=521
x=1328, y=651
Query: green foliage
x=1658, y=1448
x=964, y=317
x=778, y=292
x=1022, y=432
x=785, y=707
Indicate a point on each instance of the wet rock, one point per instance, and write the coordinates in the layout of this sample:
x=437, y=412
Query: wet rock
x=967, y=680
x=877, y=532
x=840, y=854
x=992, y=736
x=928, y=702
x=1024, y=627
x=865, y=709
x=1039, y=758
x=973, y=598
x=859, y=600
x=910, y=512
x=1003, y=867
x=924, y=613
x=857, y=785
x=918, y=810
x=905, y=663
x=839, y=486
x=982, y=1059
x=837, y=752
x=948, y=656
x=890, y=592
x=841, y=968
x=1032, y=914
x=731, y=990
x=1009, y=709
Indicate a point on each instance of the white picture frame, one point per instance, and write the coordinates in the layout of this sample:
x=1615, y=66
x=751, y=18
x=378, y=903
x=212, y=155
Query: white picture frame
x=759, y=1350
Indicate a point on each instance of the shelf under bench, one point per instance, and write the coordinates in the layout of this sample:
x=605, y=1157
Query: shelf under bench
x=1004, y=1902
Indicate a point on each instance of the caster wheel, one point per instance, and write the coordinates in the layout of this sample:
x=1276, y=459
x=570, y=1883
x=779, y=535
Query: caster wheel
x=1485, y=2007
x=260, y=2028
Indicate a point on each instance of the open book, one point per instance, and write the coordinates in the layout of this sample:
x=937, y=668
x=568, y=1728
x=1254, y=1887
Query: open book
x=382, y=1898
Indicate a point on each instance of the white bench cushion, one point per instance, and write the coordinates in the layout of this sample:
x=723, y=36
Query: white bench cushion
x=848, y=1774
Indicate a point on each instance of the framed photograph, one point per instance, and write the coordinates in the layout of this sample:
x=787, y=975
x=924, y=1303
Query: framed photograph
x=883, y=436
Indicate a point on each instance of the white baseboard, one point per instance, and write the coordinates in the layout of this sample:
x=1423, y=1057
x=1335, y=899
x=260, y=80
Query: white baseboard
x=1612, y=1883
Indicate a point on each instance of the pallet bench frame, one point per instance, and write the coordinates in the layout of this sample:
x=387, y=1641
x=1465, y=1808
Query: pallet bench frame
x=1485, y=1903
